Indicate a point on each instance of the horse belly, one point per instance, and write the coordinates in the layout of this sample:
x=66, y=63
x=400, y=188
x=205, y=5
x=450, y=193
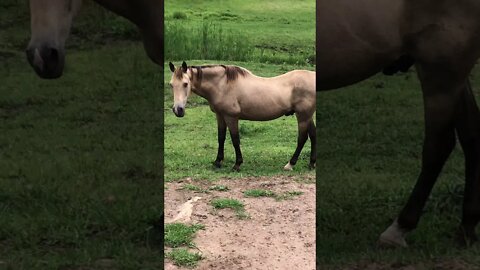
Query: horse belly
x=264, y=108
x=356, y=41
x=262, y=113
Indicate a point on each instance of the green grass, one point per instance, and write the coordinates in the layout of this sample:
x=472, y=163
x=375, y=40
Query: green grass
x=226, y=203
x=80, y=172
x=178, y=15
x=195, y=188
x=219, y=188
x=178, y=234
x=288, y=195
x=223, y=203
x=207, y=41
x=188, y=157
x=258, y=193
x=255, y=193
x=370, y=143
x=183, y=257
x=269, y=32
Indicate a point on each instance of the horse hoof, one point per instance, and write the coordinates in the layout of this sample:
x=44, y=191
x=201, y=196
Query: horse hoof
x=312, y=166
x=385, y=243
x=393, y=237
x=217, y=164
x=236, y=168
x=288, y=167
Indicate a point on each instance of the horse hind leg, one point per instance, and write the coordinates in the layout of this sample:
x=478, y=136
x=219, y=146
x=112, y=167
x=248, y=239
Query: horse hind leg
x=232, y=124
x=441, y=101
x=468, y=130
x=301, y=139
x=222, y=132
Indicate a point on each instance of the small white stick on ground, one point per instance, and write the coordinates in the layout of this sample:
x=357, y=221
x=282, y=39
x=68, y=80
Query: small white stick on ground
x=184, y=211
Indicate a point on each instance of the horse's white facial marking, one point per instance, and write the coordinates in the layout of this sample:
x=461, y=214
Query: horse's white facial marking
x=50, y=22
x=393, y=236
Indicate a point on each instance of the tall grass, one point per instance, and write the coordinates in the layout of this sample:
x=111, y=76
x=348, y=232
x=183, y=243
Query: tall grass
x=211, y=41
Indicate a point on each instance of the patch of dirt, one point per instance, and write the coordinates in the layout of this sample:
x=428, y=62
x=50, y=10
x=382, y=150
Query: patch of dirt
x=278, y=234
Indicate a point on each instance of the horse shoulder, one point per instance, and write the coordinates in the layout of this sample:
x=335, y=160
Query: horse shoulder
x=227, y=102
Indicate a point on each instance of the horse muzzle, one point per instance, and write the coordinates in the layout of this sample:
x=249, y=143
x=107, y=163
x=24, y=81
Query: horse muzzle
x=48, y=62
x=179, y=111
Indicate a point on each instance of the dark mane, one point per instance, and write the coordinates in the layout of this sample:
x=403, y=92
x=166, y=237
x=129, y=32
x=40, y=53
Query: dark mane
x=232, y=72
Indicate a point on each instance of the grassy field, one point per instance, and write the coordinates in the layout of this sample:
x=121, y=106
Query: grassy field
x=370, y=139
x=257, y=31
x=268, y=39
x=80, y=166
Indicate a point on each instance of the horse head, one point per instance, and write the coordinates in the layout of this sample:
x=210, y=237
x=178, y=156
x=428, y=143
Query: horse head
x=181, y=86
x=51, y=21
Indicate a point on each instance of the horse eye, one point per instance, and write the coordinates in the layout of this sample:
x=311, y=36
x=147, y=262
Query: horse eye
x=185, y=84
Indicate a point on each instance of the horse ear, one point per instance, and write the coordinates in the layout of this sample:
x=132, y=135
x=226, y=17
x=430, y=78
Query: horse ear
x=184, y=67
x=172, y=66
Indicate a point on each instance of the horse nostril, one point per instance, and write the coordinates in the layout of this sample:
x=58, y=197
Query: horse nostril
x=180, y=110
x=52, y=54
x=47, y=61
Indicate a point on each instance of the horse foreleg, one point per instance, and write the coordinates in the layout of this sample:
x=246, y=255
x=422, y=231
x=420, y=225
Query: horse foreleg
x=440, y=102
x=468, y=130
x=222, y=133
x=313, y=139
x=232, y=124
x=302, y=138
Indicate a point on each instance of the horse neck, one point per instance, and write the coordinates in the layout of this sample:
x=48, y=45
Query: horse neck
x=142, y=13
x=207, y=86
x=147, y=15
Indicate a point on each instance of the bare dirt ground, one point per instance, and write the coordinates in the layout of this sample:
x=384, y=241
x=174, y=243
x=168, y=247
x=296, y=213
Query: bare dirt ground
x=280, y=234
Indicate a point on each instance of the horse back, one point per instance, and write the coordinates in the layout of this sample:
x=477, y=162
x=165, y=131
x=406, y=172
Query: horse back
x=303, y=80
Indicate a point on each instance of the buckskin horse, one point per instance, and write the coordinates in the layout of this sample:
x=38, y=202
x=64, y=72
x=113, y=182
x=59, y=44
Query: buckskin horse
x=357, y=39
x=235, y=93
x=51, y=21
